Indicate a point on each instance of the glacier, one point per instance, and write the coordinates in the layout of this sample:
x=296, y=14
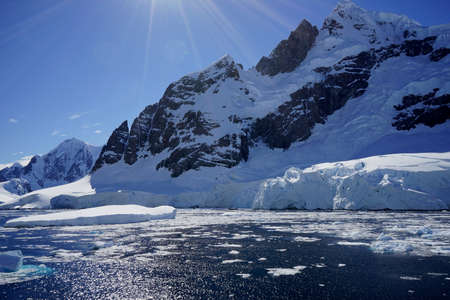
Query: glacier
x=418, y=181
x=103, y=215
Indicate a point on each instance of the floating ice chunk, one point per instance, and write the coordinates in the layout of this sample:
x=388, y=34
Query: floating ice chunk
x=101, y=244
x=103, y=215
x=262, y=259
x=410, y=278
x=347, y=243
x=11, y=261
x=391, y=246
x=227, y=245
x=233, y=261
x=305, y=239
x=285, y=271
x=384, y=237
x=437, y=274
x=25, y=273
x=423, y=231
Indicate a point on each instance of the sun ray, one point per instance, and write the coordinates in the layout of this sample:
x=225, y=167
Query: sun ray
x=189, y=33
x=228, y=29
x=148, y=40
x=266, y=11
x=9, y=34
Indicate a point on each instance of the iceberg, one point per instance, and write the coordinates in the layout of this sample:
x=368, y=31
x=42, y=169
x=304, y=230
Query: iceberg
x=103, y=215
x=11, y=261
x=397, y=182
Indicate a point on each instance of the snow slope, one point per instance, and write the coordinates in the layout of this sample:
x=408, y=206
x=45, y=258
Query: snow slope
x=22, y=161
x=40, y=199
x=397, y=181
x=104, y=215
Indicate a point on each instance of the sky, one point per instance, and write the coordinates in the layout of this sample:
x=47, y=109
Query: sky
x=78, y=68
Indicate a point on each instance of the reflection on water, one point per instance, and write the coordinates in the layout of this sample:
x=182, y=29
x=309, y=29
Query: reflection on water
x=237, y=254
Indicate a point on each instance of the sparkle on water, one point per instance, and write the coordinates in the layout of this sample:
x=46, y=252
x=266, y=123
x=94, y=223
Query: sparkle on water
x=245, y=254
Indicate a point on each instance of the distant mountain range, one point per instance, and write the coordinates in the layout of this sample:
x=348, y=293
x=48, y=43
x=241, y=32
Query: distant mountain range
x=70, y=161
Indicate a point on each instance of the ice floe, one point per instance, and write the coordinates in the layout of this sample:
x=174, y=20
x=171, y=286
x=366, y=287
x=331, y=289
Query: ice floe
x=11, y=261
x=285, y=271
x=104, y=215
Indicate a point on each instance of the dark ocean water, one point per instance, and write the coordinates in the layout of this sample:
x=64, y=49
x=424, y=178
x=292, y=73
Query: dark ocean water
x=212, y=254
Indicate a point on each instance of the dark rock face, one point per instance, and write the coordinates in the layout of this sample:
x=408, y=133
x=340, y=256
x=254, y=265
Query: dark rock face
x=164, y=127
x=312, y=104
x=439, y=54
x=138, y=136
x=332, y=26
x=428, y=110
x=113, y=151
x=291, y=52
x=191, y=158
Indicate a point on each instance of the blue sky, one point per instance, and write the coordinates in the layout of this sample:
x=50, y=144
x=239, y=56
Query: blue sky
x=78, y=68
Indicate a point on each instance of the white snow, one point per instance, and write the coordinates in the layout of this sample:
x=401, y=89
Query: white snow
x=109, y=198
x=104, y=215
x=69, y=161
x=40, y=199
x=411, y=278
x=22, y=161
x=398, y=181
x=262, y=259
x=417, y=181
x=227, y=245
x=5, y=195
x=305, y=239
x=11, y=261
x=233, y=261
x=285, y=271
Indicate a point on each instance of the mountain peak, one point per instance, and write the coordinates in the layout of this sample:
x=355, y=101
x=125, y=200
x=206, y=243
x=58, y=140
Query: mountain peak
x=346, y=4
x=289, y=53
x=353, y=23
x=226, y=58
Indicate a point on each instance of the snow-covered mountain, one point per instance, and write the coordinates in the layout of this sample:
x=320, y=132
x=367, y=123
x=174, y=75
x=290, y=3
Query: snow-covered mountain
x=68, y=162
x=365, y=86
x=366, y=83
